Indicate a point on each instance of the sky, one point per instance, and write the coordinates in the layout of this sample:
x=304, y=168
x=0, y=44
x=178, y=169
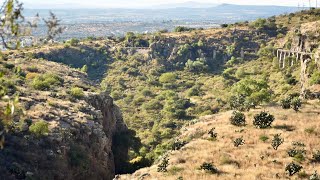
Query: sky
x=148, y=3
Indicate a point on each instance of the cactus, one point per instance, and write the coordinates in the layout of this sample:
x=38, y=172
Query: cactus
x=209, y=167
x=213, y=134
x=296, y=104
x=162, y=167
x=238, y=142
x=293, y=168
x=276, y=141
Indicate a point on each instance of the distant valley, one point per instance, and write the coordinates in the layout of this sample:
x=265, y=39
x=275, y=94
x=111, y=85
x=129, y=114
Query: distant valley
x=82, y=23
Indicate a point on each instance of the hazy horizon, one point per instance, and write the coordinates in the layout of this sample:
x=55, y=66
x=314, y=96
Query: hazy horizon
x=127, y=4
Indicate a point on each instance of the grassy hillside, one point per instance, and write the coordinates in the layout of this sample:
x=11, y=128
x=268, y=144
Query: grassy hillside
x=255, y=159
x=163, y=81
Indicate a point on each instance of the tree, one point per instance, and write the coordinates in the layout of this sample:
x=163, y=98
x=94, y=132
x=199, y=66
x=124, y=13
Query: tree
x=255, y=92
x=13, y=25
x=198, y=65
x=53, y=25
x=11, y=21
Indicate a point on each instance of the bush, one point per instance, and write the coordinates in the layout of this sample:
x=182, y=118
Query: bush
x=286, y=103
x=315, y=78
x=293, y=168
x=77, y=92
x=199, y=65
x=40, y=128
x=162, y=167
x=264, y=138
x=213, y=134
x=177, y=145
x=168, y=78
x=238, y=119
x=315, y=176
x=194, y=91
x=316, y=156
x=154, y=104
x=46, y=81
x=296, y=104
x=294, y=152
x=263, y=120
x=32, y=69
x=74, y=42
x=238, y=142
x=277, y=141
x=182, y=29
x=84, y=68
x=209, y=167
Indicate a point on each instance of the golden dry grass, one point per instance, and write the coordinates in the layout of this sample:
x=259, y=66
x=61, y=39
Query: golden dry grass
x=254, y=160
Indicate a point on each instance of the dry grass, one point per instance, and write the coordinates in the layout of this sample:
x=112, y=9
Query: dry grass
x=254, y=160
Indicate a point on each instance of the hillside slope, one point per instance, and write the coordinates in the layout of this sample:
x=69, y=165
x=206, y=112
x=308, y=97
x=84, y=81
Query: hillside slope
x=256, y=159
x=60, y=127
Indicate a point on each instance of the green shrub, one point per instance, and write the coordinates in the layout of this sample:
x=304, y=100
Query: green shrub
x=293, y=168
x=315, y=78
x=286, y=103
x=32, y=69
x=8, y=66
x=154, y=104
x=182, y=29
x=194, y=91
x=277, y=141
x=84, y=68
x=77, y=92
x=264, y=138
x=146, y=92
x=254, y=91
x=116, y=95
x=40, y=128
x=46, y=81
x=168, y=78
x=209, y=167
x=73, y=42
x=238, y=119
x=239, y=103
x=263, y=120
x=296, y=104
x=199, y=65
x=294, y=152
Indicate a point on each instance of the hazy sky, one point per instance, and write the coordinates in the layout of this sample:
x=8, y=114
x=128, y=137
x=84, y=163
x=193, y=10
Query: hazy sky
x=146, y=3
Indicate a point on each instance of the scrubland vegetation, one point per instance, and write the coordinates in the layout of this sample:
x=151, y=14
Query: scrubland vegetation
x=199, y=103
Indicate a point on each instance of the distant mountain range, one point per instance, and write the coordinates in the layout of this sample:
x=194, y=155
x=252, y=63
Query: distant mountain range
x=189, y=4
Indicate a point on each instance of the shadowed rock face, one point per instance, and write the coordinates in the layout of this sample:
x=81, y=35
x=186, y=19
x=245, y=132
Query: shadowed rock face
x=81, y=131
x=112, y=123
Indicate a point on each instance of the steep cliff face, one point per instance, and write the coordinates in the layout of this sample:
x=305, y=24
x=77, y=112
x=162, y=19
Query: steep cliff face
x=305, y=39
x=77, y=142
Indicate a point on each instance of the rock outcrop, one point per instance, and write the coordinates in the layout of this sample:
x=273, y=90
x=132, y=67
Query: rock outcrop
x=80, y=135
